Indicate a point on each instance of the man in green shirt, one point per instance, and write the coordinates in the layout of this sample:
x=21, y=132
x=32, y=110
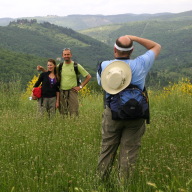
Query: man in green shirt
x=68, y=84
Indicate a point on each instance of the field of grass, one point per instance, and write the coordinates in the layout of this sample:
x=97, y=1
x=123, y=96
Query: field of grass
x=60, y=155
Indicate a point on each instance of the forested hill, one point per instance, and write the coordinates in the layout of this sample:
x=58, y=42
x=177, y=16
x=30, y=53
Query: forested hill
x=48, y=40
x=18, y=66
x=175, y=36
x=24, y=44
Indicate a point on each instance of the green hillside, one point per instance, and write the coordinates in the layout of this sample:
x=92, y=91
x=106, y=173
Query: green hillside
x=46, y=40
x=18, y=66
x=175, y=36
x=24, y=38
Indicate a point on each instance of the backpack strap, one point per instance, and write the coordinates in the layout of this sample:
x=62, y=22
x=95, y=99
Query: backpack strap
x=59, y=69
x=75, y=68
x=99, y=69
x=146, y=95
x=59, y=72
x=77, y=73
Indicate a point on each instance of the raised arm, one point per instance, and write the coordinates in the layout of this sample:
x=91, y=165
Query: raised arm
x=148, y=44
x=40, y=68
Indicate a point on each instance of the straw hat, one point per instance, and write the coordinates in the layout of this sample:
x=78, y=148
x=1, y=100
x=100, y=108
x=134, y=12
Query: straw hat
x=116, y=77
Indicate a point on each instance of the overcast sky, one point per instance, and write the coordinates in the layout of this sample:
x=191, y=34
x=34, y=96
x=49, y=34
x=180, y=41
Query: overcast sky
x=25, y=8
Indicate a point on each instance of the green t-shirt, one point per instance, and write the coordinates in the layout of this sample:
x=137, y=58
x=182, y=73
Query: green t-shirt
x=68, y=75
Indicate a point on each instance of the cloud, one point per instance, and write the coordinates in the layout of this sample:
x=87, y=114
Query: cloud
x=23, y=8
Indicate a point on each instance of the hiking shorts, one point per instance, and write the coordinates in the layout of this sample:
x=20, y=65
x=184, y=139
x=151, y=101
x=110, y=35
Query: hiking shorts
x=69, y=103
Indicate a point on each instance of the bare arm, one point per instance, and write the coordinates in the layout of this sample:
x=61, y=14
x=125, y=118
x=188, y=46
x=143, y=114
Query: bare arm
x=87, y=79
x=148, y=44
x=40, y=68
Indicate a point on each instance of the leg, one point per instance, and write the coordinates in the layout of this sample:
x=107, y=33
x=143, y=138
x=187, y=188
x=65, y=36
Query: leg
x=63, y=106
x=129, y=145
x=106, y=159
x=111, y=134
x=73, y=103
x=42, y=106
x=52, y=109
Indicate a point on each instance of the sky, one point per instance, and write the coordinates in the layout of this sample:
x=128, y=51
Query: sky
x=25, y=8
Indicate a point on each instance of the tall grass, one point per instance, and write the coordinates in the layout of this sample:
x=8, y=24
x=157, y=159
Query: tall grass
x=60, y=155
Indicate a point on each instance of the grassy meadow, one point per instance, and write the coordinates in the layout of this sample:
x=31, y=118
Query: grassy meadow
x=60, y=155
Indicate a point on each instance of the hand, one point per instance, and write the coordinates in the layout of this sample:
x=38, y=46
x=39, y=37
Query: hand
x=34, y=97
x=131, y=37
x=57, y=104
x=39, y=68
x=76, y=89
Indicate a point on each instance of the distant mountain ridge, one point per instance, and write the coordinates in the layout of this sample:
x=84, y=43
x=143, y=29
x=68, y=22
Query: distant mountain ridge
x=80, y=22
x=5, y=21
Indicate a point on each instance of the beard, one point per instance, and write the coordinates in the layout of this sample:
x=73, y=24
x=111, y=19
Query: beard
x=67, y=59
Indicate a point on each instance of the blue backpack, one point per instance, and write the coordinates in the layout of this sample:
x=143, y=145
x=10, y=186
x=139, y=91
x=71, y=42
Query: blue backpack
x=130, y=103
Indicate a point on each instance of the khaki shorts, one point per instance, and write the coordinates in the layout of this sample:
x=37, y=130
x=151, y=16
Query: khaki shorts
x=69, y=102
x=47, y=105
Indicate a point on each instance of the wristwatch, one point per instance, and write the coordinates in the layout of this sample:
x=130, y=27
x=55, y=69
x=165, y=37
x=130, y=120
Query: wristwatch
x=80, y=87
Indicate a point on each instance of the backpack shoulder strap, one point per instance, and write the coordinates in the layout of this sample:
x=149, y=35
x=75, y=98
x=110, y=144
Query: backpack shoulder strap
x=146, y=95
x=59, y=71
x=77, y=73
x=99, y=69
x=76, y=68
x=60, y=67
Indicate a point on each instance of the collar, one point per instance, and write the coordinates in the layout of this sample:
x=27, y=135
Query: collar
x=122, y=58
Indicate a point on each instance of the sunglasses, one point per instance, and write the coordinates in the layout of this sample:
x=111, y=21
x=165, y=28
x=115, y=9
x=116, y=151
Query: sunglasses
x=66, y=49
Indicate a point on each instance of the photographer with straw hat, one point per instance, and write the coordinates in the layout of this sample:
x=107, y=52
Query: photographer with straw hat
x=114, y=76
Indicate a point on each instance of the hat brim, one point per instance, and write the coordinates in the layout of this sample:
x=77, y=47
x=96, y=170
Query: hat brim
x=127, y=73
